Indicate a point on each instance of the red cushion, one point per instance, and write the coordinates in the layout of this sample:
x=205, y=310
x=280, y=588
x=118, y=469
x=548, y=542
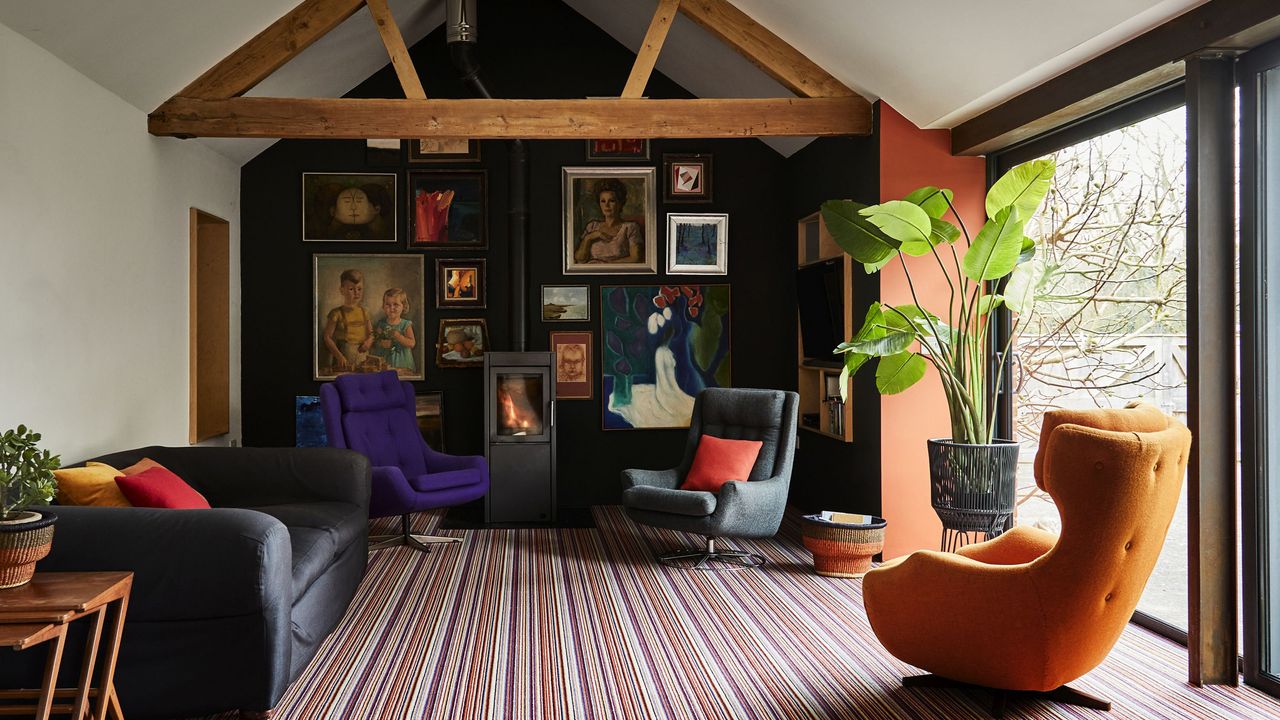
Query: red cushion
x=157, y=487
x=718, y=461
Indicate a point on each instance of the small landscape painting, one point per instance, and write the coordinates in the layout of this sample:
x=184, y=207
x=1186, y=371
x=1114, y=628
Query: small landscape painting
x=697, y=244
x=566, y=303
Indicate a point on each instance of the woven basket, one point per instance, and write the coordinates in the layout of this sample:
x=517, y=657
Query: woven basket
x=842, y=550
x=21, y=546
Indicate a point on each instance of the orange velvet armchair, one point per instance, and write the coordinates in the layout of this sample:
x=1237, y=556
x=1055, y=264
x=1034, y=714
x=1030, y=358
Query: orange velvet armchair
x=1028, y=610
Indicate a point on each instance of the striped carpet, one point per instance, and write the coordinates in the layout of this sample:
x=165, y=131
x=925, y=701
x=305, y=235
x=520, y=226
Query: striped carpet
x=581, y=623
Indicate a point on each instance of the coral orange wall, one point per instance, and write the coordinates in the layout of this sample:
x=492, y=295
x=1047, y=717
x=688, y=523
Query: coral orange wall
x=911, y=158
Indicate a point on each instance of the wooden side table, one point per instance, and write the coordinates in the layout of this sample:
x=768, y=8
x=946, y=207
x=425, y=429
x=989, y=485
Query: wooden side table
x=40, y=611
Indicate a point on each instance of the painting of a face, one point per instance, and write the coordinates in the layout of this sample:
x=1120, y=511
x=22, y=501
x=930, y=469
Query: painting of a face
x=572, y=362
x=609, y=220
x=354, y=208
x=349, y=208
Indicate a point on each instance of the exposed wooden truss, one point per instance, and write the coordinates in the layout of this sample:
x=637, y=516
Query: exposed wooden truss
x=648, y=54
x=253, y=117
x=212, y=107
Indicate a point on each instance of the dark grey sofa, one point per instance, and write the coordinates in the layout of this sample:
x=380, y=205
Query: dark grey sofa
x=229, y=604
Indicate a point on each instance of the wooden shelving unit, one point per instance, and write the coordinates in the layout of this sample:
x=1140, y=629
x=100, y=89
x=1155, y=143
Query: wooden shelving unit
x=814, y=244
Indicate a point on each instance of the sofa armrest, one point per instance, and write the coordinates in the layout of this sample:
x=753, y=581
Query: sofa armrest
x=667, y=479
x=251, y=477
x=753, y=508
x=187, y=564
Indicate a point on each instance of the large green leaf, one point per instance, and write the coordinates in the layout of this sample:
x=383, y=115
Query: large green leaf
x=942, y=231
x=987, y=303
x=856, y=235
x=892, y=342
x=1028, y=249
x=1020, y=291
x=1023, y=187
x=903, y=221
x=899, y=372
x=852, y=361
x=933, y=201
x=994, y=252
x=875, y=267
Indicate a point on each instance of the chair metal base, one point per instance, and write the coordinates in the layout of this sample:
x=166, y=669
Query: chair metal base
x=703, y=559
x=422, y=543
x=1064, y=695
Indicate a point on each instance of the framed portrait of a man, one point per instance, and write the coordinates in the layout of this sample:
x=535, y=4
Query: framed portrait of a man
x=609, y=221
x=573, y=364
x=349, y=208
x=369, y=315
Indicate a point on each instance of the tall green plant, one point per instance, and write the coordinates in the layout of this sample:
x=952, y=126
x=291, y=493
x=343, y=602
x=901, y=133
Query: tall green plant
x=26, y=472
x=998, y=268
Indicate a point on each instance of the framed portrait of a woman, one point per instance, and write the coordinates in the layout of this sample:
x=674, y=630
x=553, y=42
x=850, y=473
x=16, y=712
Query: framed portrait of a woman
x=609, y=221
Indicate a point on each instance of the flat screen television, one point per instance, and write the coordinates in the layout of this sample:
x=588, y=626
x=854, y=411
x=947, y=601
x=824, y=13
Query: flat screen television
x=820, y=297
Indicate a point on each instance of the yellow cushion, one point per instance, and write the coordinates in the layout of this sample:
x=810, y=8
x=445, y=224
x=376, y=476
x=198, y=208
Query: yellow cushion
x=94, y=484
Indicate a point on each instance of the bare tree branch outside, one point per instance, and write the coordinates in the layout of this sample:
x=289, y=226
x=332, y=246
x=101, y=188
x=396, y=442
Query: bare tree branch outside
x=1109, y=324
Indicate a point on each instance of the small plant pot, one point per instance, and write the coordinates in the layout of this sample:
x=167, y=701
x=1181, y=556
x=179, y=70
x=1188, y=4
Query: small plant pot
x=24, y=541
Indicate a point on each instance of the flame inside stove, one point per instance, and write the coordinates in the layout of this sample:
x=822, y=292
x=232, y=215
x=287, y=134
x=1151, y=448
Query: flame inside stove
x=517, y=415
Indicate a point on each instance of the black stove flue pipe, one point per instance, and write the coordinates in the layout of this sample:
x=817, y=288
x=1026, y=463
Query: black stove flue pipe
x=461, y=36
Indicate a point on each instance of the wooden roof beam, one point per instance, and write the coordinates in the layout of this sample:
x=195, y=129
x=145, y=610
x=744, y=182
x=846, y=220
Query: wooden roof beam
x=356, y=118
x=394, y=42
x=770, y=53
x=240, y=71
x=648, y=55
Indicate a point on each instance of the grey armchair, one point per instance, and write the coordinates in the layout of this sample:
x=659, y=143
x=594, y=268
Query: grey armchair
x=749, y=509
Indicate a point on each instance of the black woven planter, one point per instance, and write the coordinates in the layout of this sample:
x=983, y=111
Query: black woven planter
x=972, y=487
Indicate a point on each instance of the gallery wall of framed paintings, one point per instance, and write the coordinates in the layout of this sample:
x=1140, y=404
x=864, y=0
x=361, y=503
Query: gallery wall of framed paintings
x=443, y=242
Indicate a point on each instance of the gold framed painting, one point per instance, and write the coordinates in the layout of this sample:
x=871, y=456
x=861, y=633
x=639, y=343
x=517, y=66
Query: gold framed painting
x=609, y=221
x=368, y=314
x=462, y=342
x=460, y=283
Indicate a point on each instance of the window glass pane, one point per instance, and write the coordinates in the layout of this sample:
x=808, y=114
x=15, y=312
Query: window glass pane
x=1110, y=319
x=1268, y=236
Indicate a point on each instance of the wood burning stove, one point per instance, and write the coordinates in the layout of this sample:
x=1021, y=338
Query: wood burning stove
x=520, y=421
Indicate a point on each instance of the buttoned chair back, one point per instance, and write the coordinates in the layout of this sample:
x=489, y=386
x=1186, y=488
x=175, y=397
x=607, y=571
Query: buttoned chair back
x=1031, y=610
x=746, y=414
x=374, y=414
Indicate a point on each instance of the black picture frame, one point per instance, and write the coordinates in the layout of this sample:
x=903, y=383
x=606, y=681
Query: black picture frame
x=678, y=187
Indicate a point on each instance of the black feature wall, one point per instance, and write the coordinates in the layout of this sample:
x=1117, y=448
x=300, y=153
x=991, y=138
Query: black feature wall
x=527, y=49
x=831, y=475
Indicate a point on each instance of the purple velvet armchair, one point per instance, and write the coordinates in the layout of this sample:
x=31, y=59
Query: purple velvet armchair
x=374, y=415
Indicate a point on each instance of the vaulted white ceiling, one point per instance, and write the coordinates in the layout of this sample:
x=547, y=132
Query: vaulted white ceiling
x=938, y=62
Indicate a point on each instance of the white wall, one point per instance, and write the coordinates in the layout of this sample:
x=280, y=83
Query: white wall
x=94, y=241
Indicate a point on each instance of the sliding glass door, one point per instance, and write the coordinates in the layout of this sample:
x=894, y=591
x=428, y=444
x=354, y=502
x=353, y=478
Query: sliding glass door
x=1110, y=322
x=1259, y=76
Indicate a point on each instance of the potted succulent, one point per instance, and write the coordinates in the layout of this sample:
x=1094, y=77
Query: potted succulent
x=26, y=478
x=972, y=473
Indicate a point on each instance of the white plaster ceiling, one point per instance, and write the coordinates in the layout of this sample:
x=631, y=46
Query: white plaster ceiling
x=938, y=62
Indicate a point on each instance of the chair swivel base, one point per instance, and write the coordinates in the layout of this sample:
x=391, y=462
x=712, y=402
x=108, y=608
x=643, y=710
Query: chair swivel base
x=1063, y=695
x=703, y=559
x=422, y=543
